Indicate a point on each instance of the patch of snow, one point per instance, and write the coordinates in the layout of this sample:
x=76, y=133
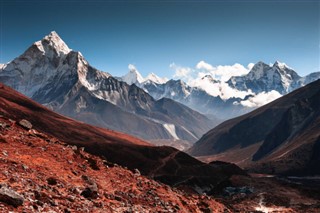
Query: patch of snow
x=52, y=44
x=265, y=209
x=111, y=96
x=257, y=71
x=281, y=65
x=171, y=130
x=185, y=129
x=156, y=79
x=56, y=42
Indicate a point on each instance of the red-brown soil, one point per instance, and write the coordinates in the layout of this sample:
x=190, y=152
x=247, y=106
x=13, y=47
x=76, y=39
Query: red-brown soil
x=51, y=176
x=165, y=164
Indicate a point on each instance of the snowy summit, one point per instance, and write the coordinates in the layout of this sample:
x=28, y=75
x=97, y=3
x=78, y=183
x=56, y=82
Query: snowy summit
x=133, y=76
x=156, y=79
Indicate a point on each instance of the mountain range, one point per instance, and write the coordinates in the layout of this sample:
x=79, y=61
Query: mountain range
x=282, y=137
x=265, y=78
x=62, y=80
x=225, y=100
x=51, y=162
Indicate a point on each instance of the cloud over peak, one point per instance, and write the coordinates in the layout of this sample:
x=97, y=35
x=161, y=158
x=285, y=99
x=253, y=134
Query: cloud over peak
x=217, y=86
x=224, y=72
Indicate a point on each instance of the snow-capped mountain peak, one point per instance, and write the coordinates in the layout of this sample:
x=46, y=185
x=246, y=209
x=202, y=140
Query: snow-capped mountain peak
x=52, y=44
x=265, y=78
x=280, y=65
x=156, y=79
x=133, y=76
x=258, y=70
x=209, y=78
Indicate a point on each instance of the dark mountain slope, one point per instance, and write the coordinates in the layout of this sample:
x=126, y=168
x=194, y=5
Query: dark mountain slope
x=286, y=130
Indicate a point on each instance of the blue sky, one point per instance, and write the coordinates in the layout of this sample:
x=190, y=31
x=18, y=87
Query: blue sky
x=154, y=34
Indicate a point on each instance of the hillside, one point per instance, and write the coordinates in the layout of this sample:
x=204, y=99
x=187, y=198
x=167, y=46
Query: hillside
x=280, y=137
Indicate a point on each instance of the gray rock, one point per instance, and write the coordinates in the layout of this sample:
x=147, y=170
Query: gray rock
x=10, y=197
x=25, y=124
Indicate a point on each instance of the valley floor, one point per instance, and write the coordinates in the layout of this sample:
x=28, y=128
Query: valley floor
x=265, y=193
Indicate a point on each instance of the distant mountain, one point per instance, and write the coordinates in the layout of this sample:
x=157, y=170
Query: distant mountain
x=281, y=137
x=156, y=79
x=61, y=79
x=265, y=78
x=195, y=98
x=225, y=100
x=134, y=77
x=309, y=78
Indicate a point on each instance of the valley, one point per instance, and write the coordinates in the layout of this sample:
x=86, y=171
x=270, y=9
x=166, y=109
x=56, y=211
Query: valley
x=77, y=139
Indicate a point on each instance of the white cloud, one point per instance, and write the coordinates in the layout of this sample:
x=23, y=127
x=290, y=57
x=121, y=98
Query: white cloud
x=261, y=99
x=223, y=72
x=204, y=65
x=221, y=89
x=195, y=77
x=228, y=92
x=181, y=72
x=250, y=66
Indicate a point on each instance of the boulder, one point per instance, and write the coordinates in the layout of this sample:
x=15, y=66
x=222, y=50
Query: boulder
x=10, y=197
x=25, y=124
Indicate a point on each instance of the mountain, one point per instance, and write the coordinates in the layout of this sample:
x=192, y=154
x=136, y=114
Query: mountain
x=237, y=96
x=265, y=78
x=61, y=79
x=156, y=79
x=282, y=137
x=309, y=78
x=196, y=98
x=166, y=164
x=133, y=77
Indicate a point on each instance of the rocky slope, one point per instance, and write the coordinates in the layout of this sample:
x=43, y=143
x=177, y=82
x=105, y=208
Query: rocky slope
x=39, y=173
x=281, y=137
x=61, y=79
x=165, y=164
